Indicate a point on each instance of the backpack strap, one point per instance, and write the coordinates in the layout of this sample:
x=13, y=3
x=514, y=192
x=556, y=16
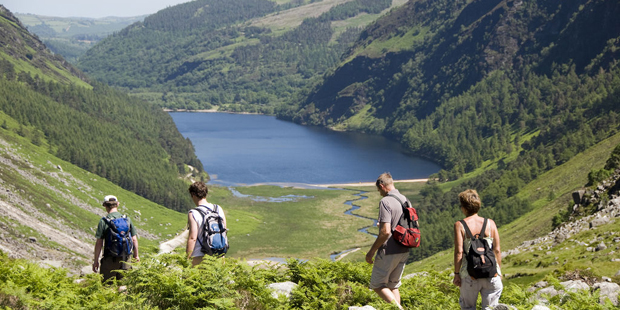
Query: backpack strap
x=484, y=228
x=402, y=204
x=467, y=231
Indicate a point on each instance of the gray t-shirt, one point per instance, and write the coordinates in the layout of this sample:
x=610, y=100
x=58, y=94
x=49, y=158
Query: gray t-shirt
x=390, y=211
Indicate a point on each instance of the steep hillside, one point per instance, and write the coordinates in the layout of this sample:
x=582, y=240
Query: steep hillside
x=497, y=92
x=416, y=73
x=49, y=208
x=102, y=130
x=237, y=55
x=71, y=37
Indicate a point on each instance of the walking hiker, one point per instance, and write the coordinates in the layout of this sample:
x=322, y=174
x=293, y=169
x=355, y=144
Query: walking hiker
x=207, y=226
x=391, y=256
x=476, y=239
x=121, y=241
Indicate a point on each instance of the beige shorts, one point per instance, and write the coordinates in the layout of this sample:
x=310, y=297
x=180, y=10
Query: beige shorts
x=387, y=270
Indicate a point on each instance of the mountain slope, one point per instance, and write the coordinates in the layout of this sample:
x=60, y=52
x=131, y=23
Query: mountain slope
x=403, y=72
x=242, y=54
x=49, y=208
x=71, y=37
x=91, y=125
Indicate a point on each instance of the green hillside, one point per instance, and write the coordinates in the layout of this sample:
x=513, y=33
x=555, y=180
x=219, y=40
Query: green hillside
x=242, y=55
x=71, y=37
x=497, y=92
x=91, y=125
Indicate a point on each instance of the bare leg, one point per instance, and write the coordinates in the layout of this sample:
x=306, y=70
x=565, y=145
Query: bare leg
x=396, y=293
x=388, y=295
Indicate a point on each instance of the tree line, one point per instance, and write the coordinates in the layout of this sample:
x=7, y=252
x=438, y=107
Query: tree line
x=125, y=140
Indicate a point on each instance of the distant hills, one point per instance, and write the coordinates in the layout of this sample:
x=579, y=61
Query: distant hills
x=239, y=55
x=71, y=37
x=89, y=124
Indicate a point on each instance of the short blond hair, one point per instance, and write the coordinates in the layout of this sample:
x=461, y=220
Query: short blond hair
x=384, y=179
x=470, y=201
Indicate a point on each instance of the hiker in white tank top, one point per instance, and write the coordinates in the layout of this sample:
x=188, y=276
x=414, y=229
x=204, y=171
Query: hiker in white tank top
x=490, y=289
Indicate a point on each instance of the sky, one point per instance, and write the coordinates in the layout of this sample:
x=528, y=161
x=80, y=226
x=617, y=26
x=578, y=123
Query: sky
x=88, y=8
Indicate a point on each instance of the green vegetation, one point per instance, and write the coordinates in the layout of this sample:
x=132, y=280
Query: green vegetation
x=281, y=229
x=167, y=281
x=71, y=37
x=93, y=126
x=211, y=53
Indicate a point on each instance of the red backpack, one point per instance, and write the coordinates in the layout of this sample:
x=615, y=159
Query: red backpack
x=407, y=232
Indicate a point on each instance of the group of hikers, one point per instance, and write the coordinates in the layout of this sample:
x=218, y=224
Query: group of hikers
x=477, y=254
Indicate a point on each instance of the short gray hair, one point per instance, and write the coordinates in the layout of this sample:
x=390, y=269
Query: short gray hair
x=384, y=179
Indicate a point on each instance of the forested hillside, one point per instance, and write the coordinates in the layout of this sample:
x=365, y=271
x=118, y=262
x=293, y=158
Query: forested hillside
x=209, y=53
x=92, y=125
x=511, y=88
x=71, y=37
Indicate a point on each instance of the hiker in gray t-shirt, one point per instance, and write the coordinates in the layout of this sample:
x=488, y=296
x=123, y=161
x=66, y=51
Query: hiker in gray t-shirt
x=391, y=256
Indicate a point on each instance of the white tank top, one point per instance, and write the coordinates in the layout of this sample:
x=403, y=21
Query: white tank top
x=199, y=220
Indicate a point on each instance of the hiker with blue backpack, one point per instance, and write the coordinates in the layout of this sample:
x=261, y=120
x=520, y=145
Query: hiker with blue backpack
x=207, y=226
x=477, y=256
x=119, y=240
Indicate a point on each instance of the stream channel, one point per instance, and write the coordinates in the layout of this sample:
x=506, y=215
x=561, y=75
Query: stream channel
x=286, y=198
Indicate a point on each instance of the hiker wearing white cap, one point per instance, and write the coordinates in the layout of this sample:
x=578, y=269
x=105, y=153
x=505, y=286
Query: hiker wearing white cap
x=121, y=241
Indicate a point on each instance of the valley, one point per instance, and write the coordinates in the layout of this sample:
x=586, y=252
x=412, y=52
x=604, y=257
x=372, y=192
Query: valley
x=516, y=99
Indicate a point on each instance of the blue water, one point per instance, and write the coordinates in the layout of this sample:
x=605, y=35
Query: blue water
x=242, y=149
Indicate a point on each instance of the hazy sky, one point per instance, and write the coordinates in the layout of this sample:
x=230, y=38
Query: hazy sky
x=88, y=8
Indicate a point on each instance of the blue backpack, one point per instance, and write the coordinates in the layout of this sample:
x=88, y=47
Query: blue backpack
x=212, y=238
x=118, y=242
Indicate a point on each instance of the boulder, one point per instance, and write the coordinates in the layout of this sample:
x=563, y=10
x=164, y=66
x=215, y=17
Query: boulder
x=549, y=291
x=540, y=307
x=599, y=221
x=504, y=307
x=282, y=288
x=601, y=246
x=541, y=284
x=578, y=196
x=415, y=275
x=607, y=290
x=575, y=285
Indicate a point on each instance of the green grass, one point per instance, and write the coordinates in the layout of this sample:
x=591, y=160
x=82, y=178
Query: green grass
x=562, y=180
x=307, y=228
x=24, y=66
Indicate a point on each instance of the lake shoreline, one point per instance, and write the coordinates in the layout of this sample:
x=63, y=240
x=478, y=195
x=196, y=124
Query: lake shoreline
x=318, y=186
x=212, y=110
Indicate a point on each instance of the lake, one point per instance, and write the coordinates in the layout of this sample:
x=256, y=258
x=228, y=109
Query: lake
x=244, y=149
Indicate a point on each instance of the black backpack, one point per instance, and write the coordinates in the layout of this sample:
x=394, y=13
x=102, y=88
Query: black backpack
x=481, y=261
x=118, y=237
x=407, y=231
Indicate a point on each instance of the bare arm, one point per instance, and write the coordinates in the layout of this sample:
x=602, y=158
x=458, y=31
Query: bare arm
x=193, y=235
x=385, y=231
x=98, y=247
x=497, y=248
x=136, y=256
x=458, y=253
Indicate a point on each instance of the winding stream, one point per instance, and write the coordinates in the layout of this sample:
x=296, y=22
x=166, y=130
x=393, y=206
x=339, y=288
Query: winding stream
x=286, y=198
x=364, y=229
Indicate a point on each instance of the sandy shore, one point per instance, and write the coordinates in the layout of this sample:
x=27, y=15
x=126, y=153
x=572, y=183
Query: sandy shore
x=319, y=186
x=369, y=183
x=214, y=110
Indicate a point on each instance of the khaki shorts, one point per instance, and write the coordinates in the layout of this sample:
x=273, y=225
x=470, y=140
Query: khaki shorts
x=387, y=270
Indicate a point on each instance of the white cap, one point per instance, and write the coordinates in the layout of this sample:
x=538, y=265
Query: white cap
x=110, y=198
